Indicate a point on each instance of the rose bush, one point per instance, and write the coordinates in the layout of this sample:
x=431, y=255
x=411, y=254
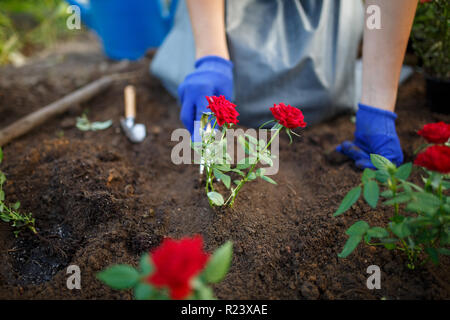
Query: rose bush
x=420, y=225
x=213, y=150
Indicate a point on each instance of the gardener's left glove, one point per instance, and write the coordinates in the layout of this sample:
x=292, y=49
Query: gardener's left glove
x=375, y=133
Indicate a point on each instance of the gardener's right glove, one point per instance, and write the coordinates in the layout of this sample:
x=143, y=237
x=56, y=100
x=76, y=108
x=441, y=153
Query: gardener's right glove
x=213, y=76
x=375, y=133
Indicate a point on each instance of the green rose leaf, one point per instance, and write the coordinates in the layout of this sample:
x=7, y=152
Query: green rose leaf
x=223, y=177
x=143, y=291
x=1, y=155
x=371, y=193
x=404, y=171
x=251, y=176
x=266, y=178
x=368, y=174
x=401, y=229
x=219, y=263
x=351, y=197
x=401, y=198
x=433, y=253
x=388, y=194
x=216, y=198
x=350, y=245
x=382, y=176
x=377, y=232
x=358, y=229
x=381, y=162
x=444, y=251
x=119, y=277
x=145, y=264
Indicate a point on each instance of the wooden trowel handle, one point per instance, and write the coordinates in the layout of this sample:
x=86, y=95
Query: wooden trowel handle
x=130, y=101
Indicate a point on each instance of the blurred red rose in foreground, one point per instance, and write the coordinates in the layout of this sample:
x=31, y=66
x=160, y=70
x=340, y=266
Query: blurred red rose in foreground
x=176, y=263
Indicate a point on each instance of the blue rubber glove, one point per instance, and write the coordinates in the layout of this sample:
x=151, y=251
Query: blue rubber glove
x=375, y=133
x=213, y=76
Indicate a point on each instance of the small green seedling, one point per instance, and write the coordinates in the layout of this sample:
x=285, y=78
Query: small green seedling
x=84, y=124
x=11, y=214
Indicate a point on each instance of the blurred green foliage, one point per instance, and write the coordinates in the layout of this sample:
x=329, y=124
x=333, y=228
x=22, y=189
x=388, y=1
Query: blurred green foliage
x=431, y=37
x=29, y=25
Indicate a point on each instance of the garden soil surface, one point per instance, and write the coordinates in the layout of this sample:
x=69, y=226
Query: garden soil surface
x=99, y=200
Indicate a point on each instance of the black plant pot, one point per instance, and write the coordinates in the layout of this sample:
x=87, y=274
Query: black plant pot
x=438, y=91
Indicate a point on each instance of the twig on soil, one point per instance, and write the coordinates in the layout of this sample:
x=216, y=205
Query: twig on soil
x=35, y=119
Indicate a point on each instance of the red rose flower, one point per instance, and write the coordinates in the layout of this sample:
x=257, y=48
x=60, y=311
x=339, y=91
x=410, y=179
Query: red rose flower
x=224, y=110
x=435, y=158
x=288, y=116
x=176, y=263
x=435, y=132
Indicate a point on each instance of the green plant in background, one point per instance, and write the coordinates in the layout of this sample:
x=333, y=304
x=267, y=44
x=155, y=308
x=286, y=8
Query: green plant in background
x=421, y=217
x=84, y=124
x=10, y=214
x=28, y=25
x=431, y=37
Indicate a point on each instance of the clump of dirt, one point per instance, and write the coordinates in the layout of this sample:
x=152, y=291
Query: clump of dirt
x=100, y=200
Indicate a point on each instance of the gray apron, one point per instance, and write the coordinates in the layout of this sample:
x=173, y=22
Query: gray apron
x=300, y=52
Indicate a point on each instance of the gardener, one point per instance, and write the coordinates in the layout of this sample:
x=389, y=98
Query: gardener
x=301, y=52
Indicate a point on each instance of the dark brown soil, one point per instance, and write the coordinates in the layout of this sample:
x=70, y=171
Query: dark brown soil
x=99, y=200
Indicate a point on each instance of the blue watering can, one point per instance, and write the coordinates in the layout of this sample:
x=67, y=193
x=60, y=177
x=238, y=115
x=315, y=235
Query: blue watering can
x=128, y=28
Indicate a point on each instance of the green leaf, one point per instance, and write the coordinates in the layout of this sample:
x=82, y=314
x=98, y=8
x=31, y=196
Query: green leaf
x=358, y=229
x=2, y=195
x=223, y=177
x=219, y=263
x=404, y=171
x=400, y=198
x=382, y=176
x=16, y=205
x=146, y=265
x=381, y=162
x=251, y=176
x=143, y=291
x=401, y=229
x=216, y=198
x=433, y=253
x=119, y=277
x=266, y=178
x=377, y=232
x=244, y=143
x=349, y=246
x=367, y=175
x=387, y=194
x=351, y=197
x=96, y=126
x=444, y=251
x=1, y=155
x=205, y=293
x=2, y=178
x=237, y=181
x=371, y=193
x=251, y=139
